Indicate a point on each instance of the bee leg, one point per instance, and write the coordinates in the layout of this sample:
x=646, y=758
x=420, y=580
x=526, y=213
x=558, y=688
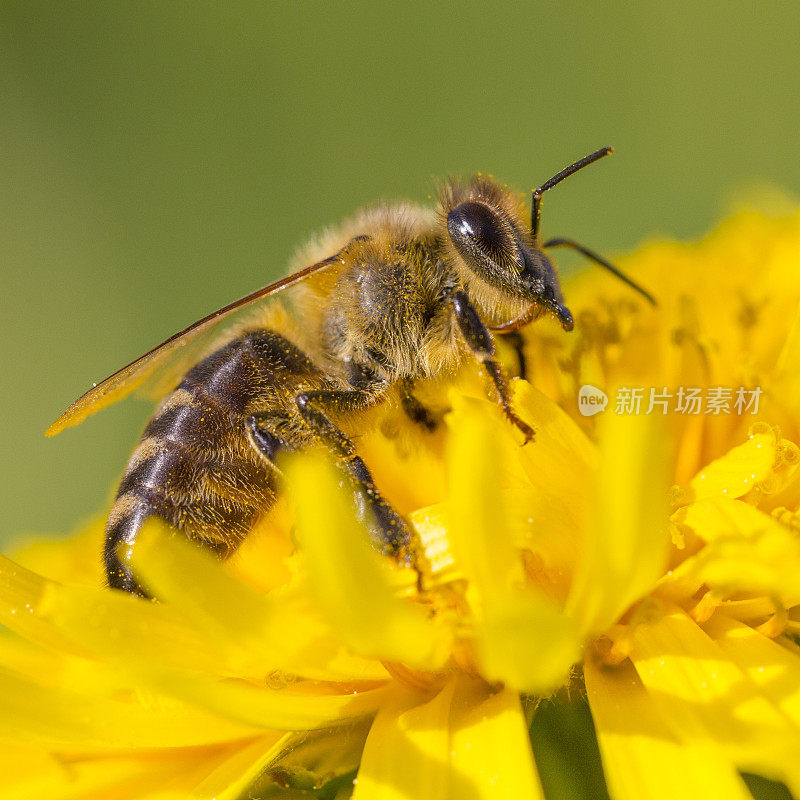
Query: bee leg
x=517, y=343
x=415, y=410
x=481, y=343
x=392, y=536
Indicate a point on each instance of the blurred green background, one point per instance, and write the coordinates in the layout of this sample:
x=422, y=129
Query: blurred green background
x=160, y=159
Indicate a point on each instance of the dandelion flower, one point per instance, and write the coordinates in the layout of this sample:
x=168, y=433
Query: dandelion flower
x=649, y=560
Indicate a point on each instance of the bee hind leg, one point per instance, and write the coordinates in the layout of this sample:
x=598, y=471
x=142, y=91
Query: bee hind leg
x=390, y=534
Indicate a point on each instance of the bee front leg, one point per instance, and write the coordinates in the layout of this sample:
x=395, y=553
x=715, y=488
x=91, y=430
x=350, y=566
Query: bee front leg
x=481, y=343
x=393, y=536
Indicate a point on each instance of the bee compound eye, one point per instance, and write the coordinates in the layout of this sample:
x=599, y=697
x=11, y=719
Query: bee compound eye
x=475, y=225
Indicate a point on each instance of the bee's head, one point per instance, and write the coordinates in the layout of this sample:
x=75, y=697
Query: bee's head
x=493, y=250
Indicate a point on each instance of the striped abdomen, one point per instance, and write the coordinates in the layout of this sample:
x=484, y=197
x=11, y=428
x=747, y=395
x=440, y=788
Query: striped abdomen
x=195, y=467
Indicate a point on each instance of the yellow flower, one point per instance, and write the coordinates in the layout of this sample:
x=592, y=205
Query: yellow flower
x=308, y=666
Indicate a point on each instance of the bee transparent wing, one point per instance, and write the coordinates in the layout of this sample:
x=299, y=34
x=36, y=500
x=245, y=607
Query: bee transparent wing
x=125, y=380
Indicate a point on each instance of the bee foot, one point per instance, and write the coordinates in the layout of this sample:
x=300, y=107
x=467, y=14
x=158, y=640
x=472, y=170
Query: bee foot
x=526, y=430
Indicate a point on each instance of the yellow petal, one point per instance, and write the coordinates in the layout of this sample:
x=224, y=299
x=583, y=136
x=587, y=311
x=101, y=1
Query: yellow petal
x=641, y=756
x=522, y=637
x=560, y=465
x=25, y=768
x=406, y=449
x=562, y=440
x=774, y=669
x=467, y=742
x=56, y=669
x=526, y=642
x=136, y=776
x=490, y=749
x=232, y=777
x=708, y=702
x=71, y=559
x=252, y=633
x=263, y=559
x=786, y=367
x=481, y=452
x=318, y=762
x=191, y=579
x=627, y=545
x=738, y=471
x=21, y=592
x=431, y=526
x=408, y=750
x=718, y=517
x=352, y=581
x=32, y=713
x=272, y=709
x=149, y=643
x=110, y=624
x=766, y=562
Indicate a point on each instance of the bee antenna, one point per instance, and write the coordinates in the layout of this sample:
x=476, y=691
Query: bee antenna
x=536, y=202
x=600, y=261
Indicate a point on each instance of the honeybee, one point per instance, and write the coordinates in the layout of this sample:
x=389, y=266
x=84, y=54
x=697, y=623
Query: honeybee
x=398, y=295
